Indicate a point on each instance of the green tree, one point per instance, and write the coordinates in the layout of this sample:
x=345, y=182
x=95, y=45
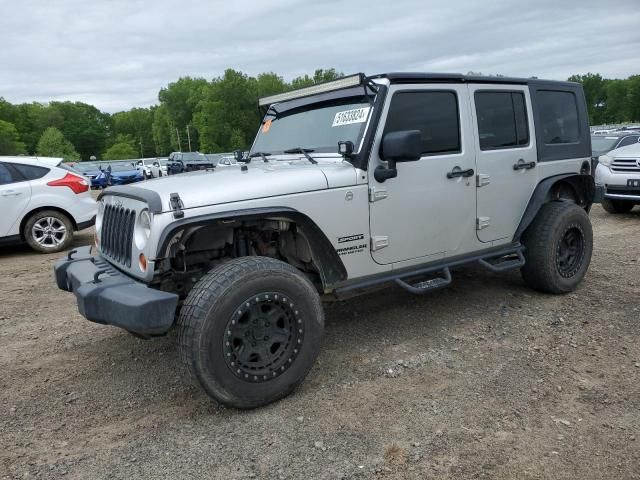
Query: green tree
x=319, y=76
x=86, y=127
x=137, y=123
x=10, y=143
x=123, y=148
x=617, y=109
x=52, y=143
x=595, y=92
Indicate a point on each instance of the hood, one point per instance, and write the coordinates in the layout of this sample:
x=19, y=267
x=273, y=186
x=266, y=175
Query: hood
x=258, y=180
x=125, y=173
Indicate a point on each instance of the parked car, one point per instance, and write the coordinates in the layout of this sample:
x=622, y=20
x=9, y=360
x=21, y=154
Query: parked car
x=122, y=173
x=364, y=181
x=618, y=173
x=601, y=144
x=93, y=172
x=43, y=201
x=180, y=162
x=163, y=165
x=150, y=168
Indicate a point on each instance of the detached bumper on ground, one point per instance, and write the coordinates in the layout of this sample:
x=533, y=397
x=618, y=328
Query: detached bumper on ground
x=109, y=297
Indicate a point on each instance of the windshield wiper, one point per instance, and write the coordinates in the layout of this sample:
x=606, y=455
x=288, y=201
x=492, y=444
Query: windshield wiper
x=264, y=156
x=304, y=151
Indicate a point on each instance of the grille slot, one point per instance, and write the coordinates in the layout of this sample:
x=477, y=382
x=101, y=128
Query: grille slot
x=116, y=238
x=626, y=165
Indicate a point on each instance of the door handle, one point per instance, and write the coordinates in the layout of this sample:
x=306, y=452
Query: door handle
x=522, y=165
x=10, y=193
x=458, y=172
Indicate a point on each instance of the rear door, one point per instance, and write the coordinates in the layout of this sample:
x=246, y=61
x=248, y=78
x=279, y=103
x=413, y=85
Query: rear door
x=506, y=157
x=15, y=194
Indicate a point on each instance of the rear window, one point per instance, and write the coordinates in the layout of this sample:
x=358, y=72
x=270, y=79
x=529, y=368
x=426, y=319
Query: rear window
x=502, y=120
x=5, y=175
x=559, y=117
x=30, y=172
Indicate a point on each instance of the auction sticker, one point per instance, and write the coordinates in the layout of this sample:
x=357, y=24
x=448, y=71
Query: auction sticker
x=347, y=117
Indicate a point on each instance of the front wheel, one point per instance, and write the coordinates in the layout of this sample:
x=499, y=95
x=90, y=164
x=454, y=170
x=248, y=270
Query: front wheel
x=617, y=206
x=249, y=331
x=48, y=231
x=558, y=246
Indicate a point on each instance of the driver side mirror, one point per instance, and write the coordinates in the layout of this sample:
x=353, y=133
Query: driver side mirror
x=403, y=146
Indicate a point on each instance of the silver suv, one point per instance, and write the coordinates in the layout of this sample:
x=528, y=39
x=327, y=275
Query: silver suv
x=618, y=174
x=394, y=178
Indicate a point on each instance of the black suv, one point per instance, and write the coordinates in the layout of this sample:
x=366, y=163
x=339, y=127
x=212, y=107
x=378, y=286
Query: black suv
x=180, y=162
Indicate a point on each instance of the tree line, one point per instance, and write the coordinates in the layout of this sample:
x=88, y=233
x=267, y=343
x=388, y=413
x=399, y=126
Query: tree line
x=220, y=115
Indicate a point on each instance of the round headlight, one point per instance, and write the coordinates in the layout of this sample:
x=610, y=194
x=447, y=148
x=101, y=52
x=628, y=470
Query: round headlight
x=143, y=229
x=99, y=216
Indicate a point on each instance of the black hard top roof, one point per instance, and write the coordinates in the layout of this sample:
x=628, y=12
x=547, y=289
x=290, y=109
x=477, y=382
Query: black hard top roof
x=414, y=77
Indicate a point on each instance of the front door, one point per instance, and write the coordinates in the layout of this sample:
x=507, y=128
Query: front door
x=15, y=193
x=425, y=210
x=506, y=158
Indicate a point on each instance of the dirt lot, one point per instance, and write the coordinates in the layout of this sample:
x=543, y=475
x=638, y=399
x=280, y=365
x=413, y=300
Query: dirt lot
x=483, y=379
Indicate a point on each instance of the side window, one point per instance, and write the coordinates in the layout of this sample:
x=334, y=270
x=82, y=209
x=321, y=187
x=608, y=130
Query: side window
x=628, y=141
x=502, y=120
x=30, y=172
x=559, y=117
x=5, y=175
x=434, y=113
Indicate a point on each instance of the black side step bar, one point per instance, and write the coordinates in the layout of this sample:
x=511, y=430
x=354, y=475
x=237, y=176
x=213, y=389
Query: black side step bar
x=497, y=259
x=427, y=285
x=503, y=262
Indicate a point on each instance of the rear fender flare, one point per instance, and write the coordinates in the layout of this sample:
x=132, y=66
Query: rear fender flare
x=582, y=186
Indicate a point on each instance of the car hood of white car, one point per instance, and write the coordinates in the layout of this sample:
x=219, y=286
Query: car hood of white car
x=253, y=181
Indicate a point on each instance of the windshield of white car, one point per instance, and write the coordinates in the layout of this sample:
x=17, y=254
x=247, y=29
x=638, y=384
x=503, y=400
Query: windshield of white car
x=316, y=126
x=600, y=143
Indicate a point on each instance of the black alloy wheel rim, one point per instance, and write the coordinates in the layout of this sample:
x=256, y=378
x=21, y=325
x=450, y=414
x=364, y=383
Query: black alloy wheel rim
x=570, y=251
x=263, y=337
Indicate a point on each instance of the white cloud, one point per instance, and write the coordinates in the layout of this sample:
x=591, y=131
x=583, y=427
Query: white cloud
x=117, y=54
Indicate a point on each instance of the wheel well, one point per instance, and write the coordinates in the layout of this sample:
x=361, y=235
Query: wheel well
x=576, y=188
x=41, y=209
x=190, y=250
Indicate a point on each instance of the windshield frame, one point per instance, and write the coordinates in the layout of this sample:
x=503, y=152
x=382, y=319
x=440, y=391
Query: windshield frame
x=360, y=156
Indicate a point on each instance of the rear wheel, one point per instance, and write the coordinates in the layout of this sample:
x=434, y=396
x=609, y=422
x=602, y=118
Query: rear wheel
x=249, y=331
x=558, y=246
x=617, y=206
x=48, y=231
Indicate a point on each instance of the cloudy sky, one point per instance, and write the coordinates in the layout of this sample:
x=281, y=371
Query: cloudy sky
x=117, y=54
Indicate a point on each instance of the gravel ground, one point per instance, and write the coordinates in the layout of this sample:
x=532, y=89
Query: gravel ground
x=485, y=378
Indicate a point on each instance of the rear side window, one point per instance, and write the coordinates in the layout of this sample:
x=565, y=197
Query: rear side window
x=559, y=117
x=502, y=120
x=434, y=113
x=30, y=172
x=5, y=175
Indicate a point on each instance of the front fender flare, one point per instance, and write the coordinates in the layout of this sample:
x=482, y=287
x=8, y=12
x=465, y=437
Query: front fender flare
x=332, y=270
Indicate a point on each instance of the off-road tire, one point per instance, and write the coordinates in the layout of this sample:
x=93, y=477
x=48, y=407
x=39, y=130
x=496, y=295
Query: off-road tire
x=227, y=294
x=38, y=217
x=617, y=206
x=545, y=247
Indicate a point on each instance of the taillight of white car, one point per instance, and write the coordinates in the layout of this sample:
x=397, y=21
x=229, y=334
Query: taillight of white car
x=74, y=182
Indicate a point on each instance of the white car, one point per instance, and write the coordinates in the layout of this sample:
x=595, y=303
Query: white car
x=43, y=202
x=150, y=168
x=618, y=173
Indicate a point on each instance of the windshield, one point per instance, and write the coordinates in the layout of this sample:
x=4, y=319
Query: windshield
x=318, y=127
x=600, y=143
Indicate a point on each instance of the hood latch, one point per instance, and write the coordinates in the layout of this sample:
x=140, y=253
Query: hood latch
x=176, y=205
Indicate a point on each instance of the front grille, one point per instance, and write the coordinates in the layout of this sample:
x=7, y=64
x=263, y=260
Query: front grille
x=626, y=165
x=621, y=190
x=117, y=233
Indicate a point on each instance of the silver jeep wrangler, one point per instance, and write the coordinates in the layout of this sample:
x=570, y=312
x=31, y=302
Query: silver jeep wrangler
x=394, y=178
